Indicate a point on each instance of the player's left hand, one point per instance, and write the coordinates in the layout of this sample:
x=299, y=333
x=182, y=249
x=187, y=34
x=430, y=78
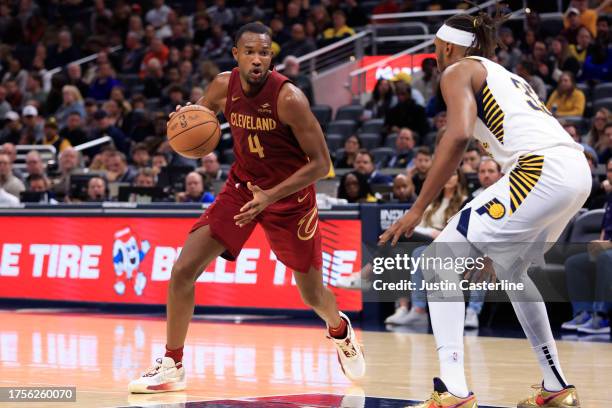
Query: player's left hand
x=248, y=212
x=403, y=226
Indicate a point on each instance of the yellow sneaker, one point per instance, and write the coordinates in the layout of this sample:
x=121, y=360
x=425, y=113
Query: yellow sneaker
x=441, y=398
x=566, y=398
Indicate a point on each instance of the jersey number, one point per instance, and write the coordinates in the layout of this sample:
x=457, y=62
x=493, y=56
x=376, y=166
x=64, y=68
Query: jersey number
x=532, y=98
x=255, y=146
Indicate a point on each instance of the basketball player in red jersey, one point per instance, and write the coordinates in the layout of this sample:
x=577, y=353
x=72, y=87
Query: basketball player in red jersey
x=280, y=152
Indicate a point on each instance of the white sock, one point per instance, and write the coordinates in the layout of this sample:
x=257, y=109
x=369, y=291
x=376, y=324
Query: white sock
x=554, y=380
x=447, y=323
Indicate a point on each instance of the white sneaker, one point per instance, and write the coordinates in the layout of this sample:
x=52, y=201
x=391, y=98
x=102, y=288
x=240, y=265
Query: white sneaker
x=350, y=353
x=413, y=318
x=164, y=376
x=400, y=313
x=471, y=319
x=353, y=281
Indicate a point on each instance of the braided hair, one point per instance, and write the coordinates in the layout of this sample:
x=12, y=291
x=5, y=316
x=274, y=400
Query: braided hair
x=484, y=27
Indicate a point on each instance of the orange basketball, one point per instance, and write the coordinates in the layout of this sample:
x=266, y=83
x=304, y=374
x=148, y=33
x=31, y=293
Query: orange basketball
x=193, y=131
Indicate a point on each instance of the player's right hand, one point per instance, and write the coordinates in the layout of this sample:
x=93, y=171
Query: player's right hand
x=178, y=108
x=404, y=226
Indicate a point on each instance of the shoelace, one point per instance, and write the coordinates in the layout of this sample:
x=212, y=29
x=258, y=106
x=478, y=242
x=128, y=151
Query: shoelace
x=435, y=396
x=155, y=369
x=348, y=349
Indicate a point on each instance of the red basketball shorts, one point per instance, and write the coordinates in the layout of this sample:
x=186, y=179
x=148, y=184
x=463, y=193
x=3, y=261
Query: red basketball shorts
x=291, y=225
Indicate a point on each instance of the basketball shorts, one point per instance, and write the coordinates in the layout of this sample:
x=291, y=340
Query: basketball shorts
x=291, y=225
x=524, y=212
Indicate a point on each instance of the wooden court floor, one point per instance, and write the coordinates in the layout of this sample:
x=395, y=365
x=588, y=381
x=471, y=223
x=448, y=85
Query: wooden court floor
x=99, y=354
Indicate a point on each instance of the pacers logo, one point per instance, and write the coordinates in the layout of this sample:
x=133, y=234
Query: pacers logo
x=494, y=208
x=307, y=225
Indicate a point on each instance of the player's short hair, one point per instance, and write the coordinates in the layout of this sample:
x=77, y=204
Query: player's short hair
x=255, y=27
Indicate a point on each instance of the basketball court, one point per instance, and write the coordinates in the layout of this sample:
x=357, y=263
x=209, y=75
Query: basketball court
x=266, y=364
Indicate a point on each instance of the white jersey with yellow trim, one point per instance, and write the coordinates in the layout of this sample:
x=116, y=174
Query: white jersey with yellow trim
x=512, y=121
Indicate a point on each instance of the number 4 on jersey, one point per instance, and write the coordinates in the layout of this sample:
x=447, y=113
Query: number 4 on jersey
x=255, y=146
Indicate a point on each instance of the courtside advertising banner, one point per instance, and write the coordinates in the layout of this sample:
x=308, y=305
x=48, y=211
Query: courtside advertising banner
x=129, y=260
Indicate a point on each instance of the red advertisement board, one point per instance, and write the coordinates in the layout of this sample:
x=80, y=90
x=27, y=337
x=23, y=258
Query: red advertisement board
x=407, y=63
x=128, y=260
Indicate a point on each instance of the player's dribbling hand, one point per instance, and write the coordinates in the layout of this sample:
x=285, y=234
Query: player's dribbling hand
x=179, y=107
x=404, y=226
x=250, y=210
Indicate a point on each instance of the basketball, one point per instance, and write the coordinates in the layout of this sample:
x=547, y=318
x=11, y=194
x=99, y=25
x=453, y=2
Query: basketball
x=193, y=131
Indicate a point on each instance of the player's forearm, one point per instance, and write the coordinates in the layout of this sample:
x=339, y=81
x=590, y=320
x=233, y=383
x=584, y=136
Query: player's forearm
x=446, y=160
x=305, y=176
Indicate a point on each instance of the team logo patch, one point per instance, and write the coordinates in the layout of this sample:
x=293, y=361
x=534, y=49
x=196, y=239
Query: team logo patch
x=494, y=208
x=307, y=225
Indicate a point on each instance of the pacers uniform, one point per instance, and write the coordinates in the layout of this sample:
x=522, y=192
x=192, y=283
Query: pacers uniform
x=266, y=153
x=546, y=176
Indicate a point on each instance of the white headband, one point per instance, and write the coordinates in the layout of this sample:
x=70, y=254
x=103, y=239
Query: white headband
x=455, y=36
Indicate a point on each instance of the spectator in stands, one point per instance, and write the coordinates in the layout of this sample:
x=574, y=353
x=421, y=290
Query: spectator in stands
x=103, y=127
x=63, y=52
x=202, y=29
x=447, y=203
x=293, y=14
x=572, y=25
x=5, y=107
x=278, y=33
x=96, y=190
x=140, y=157
x=383, y=98
x=526, y=70
x=539, y=57
x=38, y=183
x=69, y=161
x=8, y=182
x=158, y=15
x=52, y=137
x=11, y=133
x=16, y=73
x=194, y=190
x=352, y=145
x=299, y=44
x=422, y=164
x=320, y=20
x=292, y=71
x=197, y=92
x=356, y=16
x=598, y=63
x=588, y=16
x=117, y=168
x=72, y=102
x=133, y=54
x=364, y=164
x=566, y=100
x=219, y=46
x=471, y=159
x=570, y=128
x=145, y=177
x=159, y=161
x=32, y=130
x=104, y=82
x=13, y=95
x=73, y=131
x=354, y=188
x=592, y=266
x=583, y=41
x=403, y=190
x=6, y=199
x=211, y=167
x=511, y=54
x=221, y=14
x=208, y=71
x=606, y=147
x=561, y=59
x=595, y=137
x=339, y=28
x=75, y=78
x=404, y=149
x=34, y=90
x=154, y=79
x=11, y=151
x=406, y=113
x=34, y=164
x=175, y=97
x=426, y=80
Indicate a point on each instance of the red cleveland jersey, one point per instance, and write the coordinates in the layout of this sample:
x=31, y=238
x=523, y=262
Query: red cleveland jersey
x=266, y=150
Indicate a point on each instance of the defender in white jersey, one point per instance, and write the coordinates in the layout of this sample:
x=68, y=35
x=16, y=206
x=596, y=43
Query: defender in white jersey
x=546, y=181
